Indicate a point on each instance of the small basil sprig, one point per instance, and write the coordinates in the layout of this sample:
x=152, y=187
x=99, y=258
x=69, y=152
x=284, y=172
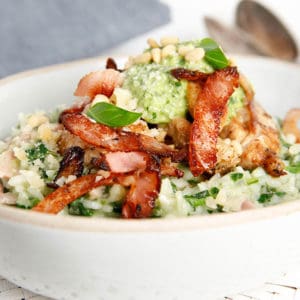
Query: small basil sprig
x=111, y=115
x=214, y=54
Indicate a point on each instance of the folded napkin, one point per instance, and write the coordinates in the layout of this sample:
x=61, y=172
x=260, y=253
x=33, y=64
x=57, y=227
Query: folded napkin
x=35, y=33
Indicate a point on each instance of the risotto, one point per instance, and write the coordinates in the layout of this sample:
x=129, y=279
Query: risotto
x=176, y=132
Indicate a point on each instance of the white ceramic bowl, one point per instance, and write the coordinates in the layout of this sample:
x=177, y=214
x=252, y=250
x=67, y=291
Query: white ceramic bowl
x=189, y=258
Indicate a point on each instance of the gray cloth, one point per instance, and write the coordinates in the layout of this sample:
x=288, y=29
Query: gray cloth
x=35, y=33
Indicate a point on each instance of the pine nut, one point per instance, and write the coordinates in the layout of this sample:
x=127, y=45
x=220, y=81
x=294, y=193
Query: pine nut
x=169, y=40
x=168, y=50
x=142, y=58
x=184, y=49
x=156, y=55
x=195, y=55
x=152, y=43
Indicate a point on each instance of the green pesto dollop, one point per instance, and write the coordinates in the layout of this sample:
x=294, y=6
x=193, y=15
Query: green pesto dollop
x=236, y=101
x=160, y=96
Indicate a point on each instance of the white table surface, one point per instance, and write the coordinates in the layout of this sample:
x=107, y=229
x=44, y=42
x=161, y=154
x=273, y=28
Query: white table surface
x=187, y=23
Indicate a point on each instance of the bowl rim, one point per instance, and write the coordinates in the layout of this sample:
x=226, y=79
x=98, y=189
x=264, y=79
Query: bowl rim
x=105, y=225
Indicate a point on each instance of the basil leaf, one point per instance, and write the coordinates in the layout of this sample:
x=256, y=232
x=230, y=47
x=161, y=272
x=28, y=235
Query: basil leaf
x=111, y=115
x=214, y=54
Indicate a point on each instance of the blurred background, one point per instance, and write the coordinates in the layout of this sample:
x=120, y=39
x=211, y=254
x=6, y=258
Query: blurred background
x=36, y=33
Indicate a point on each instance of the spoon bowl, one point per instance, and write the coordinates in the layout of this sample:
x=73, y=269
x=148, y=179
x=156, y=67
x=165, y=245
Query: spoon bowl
x=267, y=32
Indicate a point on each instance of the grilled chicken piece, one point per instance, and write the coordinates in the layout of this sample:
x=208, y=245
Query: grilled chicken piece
x=192, y=93
x=179, y=130
x=247, y=87
x=259, y=137
x=228, y=155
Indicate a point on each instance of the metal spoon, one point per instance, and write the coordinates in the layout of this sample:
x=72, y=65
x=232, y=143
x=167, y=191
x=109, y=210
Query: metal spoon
x=267, y=32
x=232, y=39
x=257, y=32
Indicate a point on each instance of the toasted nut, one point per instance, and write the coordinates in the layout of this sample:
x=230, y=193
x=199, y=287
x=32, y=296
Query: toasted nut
x=99, y=98
x=195, y=55
x=143, y=58
x=169, y=40
x=152, y=43
x=156, y=55
x=184, y=49
x=168, y=50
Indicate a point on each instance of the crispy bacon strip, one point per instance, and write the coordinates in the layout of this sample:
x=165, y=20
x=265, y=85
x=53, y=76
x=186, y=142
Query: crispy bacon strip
x=209, y=110
x=111, y=64
x=100, y=135
x=99, y=82
x=140, y=200
x=143, y=192
x=122, y=162
x=182, y=73
x=168, y=168
x=57, y=200
x=72, y=163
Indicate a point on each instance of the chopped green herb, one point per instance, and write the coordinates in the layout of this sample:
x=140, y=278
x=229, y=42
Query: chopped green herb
x=280, y=194
x=199, y=195
x=174, y=187
x=43, y=173
x=111, y=115
x=197, y=199
x=117, y=207
x=77, y=208
x=107, y=189
x=32, y=202
x=194, y=202
x=214, y=191
x=252, y=180
x=219, y=208
x=157, y=212
x=263, y=198
x=214, y=54
x=236, y=176
x=294, y=168
x=38, y=151
x=269, y=193
x=193, y=181
x=284, y=143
